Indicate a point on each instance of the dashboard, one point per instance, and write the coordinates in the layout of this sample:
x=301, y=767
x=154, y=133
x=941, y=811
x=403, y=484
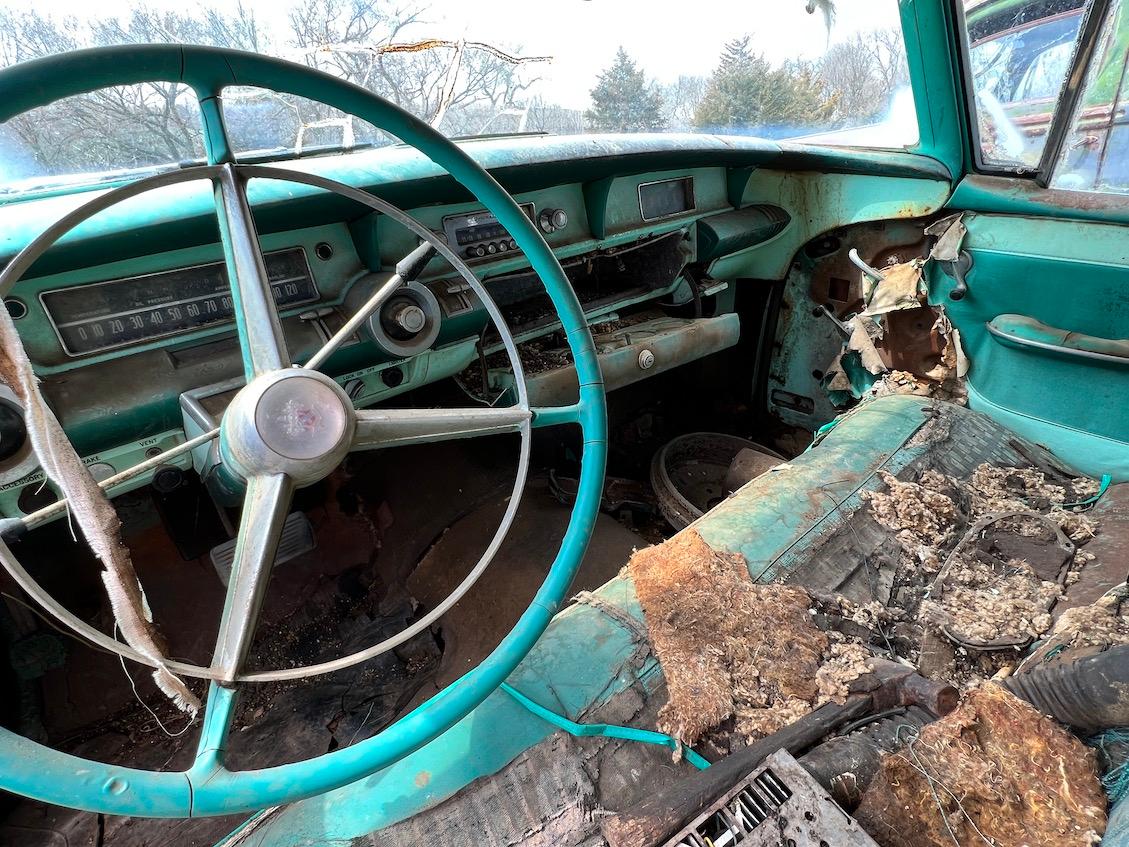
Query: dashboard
x=140, y=354
x=129, y=324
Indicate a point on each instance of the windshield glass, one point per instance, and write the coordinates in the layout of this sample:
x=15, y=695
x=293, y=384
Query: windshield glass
x=821, y=71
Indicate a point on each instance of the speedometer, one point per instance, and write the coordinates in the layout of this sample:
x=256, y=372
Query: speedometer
x=102, y=316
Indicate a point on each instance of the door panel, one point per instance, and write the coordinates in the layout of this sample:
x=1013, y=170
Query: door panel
x=1044, y=325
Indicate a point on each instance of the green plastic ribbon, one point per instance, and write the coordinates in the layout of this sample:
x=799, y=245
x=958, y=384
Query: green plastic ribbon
x=821, y=433
x=585, y=730
x=1089, y=501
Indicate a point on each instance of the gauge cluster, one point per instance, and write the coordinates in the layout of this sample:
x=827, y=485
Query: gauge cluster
x=121, y=312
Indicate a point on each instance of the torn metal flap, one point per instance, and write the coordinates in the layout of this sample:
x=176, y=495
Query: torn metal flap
x=902, y=287
x=863, y=336
x=950, y=234
x=953, y=362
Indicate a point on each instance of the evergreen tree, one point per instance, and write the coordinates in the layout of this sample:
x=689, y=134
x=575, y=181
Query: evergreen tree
x=746, y=91
x=623, y=100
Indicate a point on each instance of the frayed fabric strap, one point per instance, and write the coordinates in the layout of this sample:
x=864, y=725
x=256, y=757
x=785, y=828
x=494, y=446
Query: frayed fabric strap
x=92, y=512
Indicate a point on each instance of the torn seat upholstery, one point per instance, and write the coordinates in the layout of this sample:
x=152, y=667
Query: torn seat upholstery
x=803, y=522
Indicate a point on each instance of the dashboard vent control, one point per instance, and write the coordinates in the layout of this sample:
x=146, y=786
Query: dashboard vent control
x=13, y=432
x=16, y=307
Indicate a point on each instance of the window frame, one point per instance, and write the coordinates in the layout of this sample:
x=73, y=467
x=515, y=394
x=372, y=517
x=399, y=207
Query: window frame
x=1094, y=16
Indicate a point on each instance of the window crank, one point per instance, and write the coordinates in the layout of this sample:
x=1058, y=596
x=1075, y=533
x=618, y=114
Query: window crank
x=858, y=262
x=843, y=326
x=958, y=270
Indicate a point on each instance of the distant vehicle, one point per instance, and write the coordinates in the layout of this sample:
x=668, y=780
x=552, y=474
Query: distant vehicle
x=1019, y=55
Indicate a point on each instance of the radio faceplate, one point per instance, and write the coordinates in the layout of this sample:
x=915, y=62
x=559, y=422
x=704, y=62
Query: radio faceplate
x=478, y=235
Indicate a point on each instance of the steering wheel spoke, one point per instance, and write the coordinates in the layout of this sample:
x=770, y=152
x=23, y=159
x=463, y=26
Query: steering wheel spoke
x=264, y=511
x=219, y=712
x=256, y=318
x=378, y=428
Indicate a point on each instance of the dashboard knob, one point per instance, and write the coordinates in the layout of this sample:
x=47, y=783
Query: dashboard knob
x=101, y=471
x=550, y=220
x=354, y=388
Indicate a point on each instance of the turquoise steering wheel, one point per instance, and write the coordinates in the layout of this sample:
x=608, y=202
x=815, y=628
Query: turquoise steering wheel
x=268, y=459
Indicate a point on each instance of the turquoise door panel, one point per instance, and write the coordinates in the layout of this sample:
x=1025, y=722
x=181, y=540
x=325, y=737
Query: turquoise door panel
x=1043, y=324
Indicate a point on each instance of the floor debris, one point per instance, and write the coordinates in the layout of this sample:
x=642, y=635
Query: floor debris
x=922, y=513
x=1102, y=624
x=980, y=603
x=983, y=562
x=994, y=772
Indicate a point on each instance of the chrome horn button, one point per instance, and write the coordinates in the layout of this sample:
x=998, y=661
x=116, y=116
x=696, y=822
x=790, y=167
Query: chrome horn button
x=296, y=421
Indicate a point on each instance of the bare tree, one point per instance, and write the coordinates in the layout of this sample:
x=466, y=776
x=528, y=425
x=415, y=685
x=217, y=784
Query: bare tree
x=122, y=126
x=459, y=86
x=681, y=99
x=889, y=50
x=863, y=73
x=454, y=84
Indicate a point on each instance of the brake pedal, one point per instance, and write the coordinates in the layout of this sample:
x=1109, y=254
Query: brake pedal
x=297, y=538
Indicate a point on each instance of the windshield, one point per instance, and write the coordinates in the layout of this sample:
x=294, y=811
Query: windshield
x=824, y=71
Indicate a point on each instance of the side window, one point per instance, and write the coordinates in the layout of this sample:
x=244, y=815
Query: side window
x=1019, y=55
x=1095, y=153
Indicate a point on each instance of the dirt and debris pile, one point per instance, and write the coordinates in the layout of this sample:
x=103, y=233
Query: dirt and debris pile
x=731, y=649
x=982, y=603
x=994, y=771
x=921, y=513
x=1001, y=489
x=982, y=561
x=1102, y=624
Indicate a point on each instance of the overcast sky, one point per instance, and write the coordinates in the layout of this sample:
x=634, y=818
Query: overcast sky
x=666, y=38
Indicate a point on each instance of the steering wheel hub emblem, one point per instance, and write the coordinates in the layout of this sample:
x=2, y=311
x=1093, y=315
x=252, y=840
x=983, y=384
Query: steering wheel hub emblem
x=301, y=418
x=296, y=421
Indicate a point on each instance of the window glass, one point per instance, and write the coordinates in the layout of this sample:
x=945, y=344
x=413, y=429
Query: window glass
x=100, y=137
x=1019, y=54
x=1095, y=153
x=265, y=124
